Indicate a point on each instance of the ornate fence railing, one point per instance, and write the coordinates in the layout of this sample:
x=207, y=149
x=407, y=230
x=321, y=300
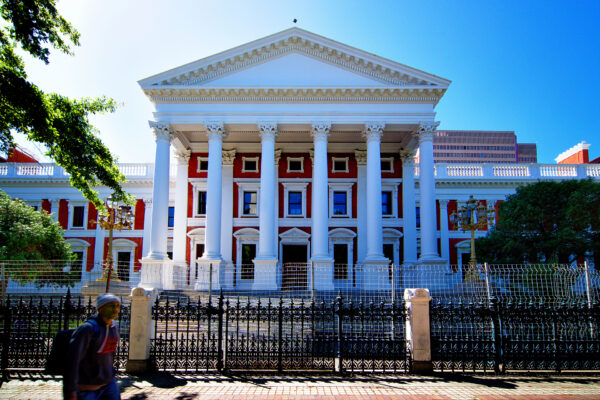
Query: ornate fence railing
x=234, y=333
x=30, y=323
x=507, y=336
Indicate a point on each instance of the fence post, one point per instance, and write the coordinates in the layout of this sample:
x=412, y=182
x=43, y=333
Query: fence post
x=588, y=288
x=6, y=340
x=495, y=310
x=339, y=361
x=67, y=310
x=487, y=283
x=220, y=334
x=3, y=288
x=418, y=330
x=280, y=337
x=141, y=330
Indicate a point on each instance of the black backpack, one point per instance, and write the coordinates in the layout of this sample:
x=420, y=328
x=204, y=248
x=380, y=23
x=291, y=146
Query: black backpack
x=56, y=364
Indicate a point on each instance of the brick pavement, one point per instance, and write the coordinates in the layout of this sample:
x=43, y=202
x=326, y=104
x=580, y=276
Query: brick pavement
x=369, y=387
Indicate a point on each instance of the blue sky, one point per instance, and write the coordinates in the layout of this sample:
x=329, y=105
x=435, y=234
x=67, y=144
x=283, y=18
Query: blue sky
x=528, y=66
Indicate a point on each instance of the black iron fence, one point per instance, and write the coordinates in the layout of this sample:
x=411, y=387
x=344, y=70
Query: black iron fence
x=218, y=333
x=505, y=336
x=30, y=323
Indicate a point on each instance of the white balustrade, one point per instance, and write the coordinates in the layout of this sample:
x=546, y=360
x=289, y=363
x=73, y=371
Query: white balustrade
x=511, y=170
x=133, y=169
x=593, y=171
x=32, y=169
x=558, y=171
x=3, y=170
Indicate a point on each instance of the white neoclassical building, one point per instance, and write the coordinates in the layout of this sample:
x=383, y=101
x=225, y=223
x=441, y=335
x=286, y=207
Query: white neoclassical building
x=298, y=143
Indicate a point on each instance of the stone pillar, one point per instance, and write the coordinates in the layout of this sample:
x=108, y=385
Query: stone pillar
x=418, y=334
x=141, y=330
x=375, y=265
x=444, y=237
x=427, y=194
x=96, y=271
x=160, y=192
x=154, y=264
x=409, y=207
x=147, y=225
x=176, y=278
x=210, y=262
x=361, y=202
x=54, y=207
x=322, y=263
x=227, y=218
x=265, y=263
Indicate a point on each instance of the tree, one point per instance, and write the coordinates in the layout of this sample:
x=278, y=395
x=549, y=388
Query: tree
x=58, y=122
x=546, y=222
x=33, y=241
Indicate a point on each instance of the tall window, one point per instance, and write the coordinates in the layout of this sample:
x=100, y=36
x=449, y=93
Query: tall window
x=248, y=254
x=294, y=203
x=388, y=252
x=249, y=203
x=77, y=264
x=171, y=221
x=418, y=215
x=123, y=261
x=340, y=261
x=386, y=203
x=340, y=203
x=201, y=206
x=78, y=216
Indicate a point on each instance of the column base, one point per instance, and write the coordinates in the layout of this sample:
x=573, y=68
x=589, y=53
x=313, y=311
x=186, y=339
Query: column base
x=208, y=274
x=421, y=367
x=265, y=274
x=322, y=273
x=432, y=273
x=175, y=275
x=376, y=273
x=152, y=272
x=156, y=256
x=431, y=259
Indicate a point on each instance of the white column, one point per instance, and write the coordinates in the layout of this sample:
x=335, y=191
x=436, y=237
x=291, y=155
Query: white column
x=265, y=263
x=429, y=251
x=276, y=206
x=321, y=260
x=373, y=134
x=268, y=133
x=160, y=192
x=444, y=237
x=181, y=206
x=375, y=274
x=409, y=207
x=227, y=216
x=54, y=206
x=320, y=206
x=361, y=203
x=98, y=250
x=212, y=238
x=157, y=262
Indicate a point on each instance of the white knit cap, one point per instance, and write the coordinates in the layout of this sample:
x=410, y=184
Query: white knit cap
x=106, y=298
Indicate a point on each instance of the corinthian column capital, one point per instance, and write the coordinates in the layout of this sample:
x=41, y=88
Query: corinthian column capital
x=320, y=130
x=267, y=130
x=215, y=130
x=228, y=156
x=408, y=155
x=182, y=157
x=162, y=131
x=373, y=131
x=426, y=130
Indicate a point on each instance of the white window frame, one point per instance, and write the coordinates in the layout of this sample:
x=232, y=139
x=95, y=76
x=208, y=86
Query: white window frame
x=387, y=187
x=294, y=187
x=80, y=245
x=200, y=158
x=244, y=159
x=122, y=245
x=244, y=236
x=196, y=237
x=343, y=236
x=334, y=159
x=248, y=187
x=391, y=160
x=393, y=237
x=72, y=205
x=198, y=187
x=301, y=159
x=341, y=187
x=37, y=204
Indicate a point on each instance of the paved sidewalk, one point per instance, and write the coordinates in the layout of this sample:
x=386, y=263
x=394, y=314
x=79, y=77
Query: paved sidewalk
x=376, y=387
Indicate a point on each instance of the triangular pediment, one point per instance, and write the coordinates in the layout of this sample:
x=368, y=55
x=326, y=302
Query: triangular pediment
x=294, y=58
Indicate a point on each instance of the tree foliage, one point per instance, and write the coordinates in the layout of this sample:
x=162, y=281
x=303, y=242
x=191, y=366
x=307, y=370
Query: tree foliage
x=546, y=222
x=58, y=122
x=33, y=241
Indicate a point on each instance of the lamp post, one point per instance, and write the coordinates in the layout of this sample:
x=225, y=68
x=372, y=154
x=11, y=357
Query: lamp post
x=472, y=217
x=118, y=217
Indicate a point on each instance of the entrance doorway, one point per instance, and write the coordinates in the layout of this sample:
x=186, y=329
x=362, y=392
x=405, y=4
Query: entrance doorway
x=295, y=270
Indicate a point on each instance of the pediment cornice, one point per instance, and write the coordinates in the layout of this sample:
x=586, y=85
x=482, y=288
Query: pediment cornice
x=183, y=94
x=296, y=40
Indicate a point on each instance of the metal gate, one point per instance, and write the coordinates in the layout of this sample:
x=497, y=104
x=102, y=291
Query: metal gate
x=271, y=333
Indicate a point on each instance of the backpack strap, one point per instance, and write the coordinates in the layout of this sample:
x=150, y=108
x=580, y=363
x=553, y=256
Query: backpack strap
x=97, y=327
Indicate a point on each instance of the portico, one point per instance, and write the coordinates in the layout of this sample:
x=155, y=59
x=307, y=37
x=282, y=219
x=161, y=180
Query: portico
x=298, y=96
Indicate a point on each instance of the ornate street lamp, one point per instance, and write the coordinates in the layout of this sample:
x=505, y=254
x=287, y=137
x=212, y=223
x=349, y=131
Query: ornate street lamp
x=118, y=217
x=472, y=217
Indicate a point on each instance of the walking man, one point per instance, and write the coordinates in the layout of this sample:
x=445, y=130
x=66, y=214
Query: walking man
x=90, y=373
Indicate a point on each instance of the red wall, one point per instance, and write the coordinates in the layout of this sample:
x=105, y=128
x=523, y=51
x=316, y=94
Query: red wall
x=140, y=211
x=92, y=216
x=63, y=214
x=46, y=206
